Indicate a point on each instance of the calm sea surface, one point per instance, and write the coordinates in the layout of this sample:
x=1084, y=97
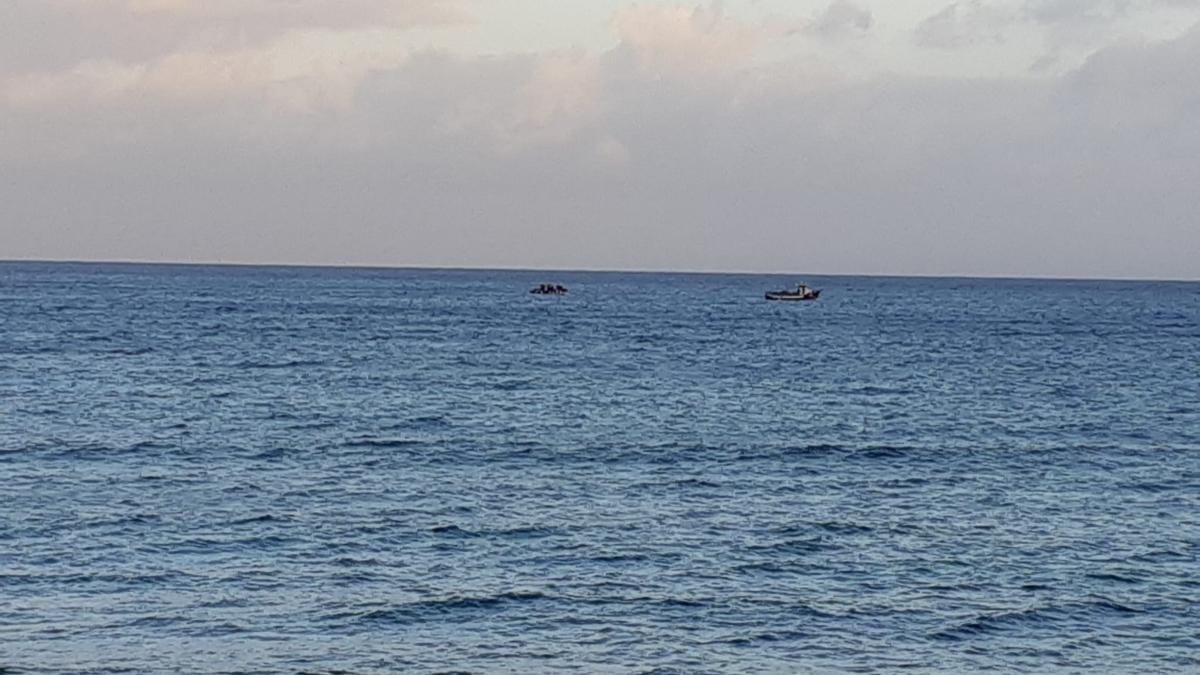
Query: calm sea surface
x=234, y=469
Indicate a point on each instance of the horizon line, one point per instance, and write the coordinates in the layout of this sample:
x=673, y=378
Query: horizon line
x=588, y=270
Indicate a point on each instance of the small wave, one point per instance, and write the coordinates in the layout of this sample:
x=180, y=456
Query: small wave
x=758, y=454
x=444, y=608
x=353, y=578
x=264, y=518
x=518, y=532
x=272, y=453
x=618, y=558
x=155, y=622
x=453, y=531
x=212, y=545
x=1032, y=618
x=697, y=483
x=878, y=390
x=514, y=384
x=1112, y=606
x=1151, y=487
x=350, y=561
x=219, y=629
x=661, y=602
x=226, y=603
x=827, y=526
x=771, y=567
x=186, y=625
x=813, y=448
x=834, y=527
x=311, y=426
x=1162, y=556
x=755, y=638
x=1000, y=621
x=867, y=451
x=1110, y=576
x=678, y=483
x=882, y=452
x=89, y=450
x=128, y=351
x=277, y=365
x=125, y=520
x=794, y=546
x=526, y=532
x=382, y=443
x=86, y=578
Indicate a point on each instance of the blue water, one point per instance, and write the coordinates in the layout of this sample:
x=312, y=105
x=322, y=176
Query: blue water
x=235, y=469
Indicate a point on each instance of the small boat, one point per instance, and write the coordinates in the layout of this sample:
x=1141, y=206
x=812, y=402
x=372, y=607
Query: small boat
x=549, y=289
x=801, y=292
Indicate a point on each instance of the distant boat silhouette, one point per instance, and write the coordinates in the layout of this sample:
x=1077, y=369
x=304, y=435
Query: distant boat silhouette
x=801, y=292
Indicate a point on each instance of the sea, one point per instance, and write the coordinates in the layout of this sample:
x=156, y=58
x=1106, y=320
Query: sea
x=226, y=469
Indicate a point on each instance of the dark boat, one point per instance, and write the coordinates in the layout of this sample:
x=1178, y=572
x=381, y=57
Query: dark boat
x=549, y=289
x=801, y=292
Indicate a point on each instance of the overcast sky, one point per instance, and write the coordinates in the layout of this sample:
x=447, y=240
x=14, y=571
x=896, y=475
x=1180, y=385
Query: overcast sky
x=977, y=137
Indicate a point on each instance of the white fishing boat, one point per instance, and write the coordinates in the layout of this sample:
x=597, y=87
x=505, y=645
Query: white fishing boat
x=801, y=292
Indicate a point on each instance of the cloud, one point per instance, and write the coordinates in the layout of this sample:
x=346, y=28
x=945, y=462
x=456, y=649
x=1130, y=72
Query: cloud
x=963, y=23
x=54, y=35
x=1062, y=11
x=840, y=19
x=1095, y=12
x=299, y=87
x=334, y=61
x=279, y=14
x=1142, y=92
x=675, y=149
x=1083, y=12
x=676, y=39
x=1071, y=30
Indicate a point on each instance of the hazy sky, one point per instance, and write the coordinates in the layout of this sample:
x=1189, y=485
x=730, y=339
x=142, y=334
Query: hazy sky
x=1022, y=137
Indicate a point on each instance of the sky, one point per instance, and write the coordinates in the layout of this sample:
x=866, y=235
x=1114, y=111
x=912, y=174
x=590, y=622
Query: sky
x=1053, y=138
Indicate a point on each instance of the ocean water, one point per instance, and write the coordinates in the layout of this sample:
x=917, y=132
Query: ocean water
x=239, y=469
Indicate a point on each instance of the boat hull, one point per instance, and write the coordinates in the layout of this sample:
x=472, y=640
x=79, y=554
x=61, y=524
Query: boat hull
x=795, y=297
